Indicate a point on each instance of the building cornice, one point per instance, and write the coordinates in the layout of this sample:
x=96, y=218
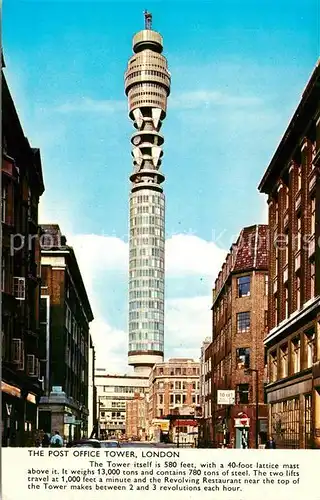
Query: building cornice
x=294, y=318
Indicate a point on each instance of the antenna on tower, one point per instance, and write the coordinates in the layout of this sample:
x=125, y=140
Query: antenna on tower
x=147, y=20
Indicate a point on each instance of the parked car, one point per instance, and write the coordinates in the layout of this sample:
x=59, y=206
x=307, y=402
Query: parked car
x=137, y=444
x=84, y=443
x=110, y=443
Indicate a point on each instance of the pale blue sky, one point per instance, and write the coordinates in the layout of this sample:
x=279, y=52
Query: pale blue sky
x=238, y=69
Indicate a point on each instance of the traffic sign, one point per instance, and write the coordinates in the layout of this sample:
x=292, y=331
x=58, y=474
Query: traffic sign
x=242, y=422
x=226, y=397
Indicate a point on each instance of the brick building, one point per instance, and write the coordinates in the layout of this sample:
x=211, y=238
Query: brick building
x=174, y=388
x=137, y=417
x=292, y=184
x=203, y=372
x=65, y=339
x=239, y=315
x=92, y=390
x=205, y=428
x=22, y=186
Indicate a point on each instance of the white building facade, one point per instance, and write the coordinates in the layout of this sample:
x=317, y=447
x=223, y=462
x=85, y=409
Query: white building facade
x=113, y=392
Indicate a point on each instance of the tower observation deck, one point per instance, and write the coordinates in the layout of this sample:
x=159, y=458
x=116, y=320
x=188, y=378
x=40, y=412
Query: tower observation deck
x=147, y=86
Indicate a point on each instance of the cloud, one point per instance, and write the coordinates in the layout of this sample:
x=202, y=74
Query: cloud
x=207, y=98
x=182, y=100
x=187, y=323
x=185, y=254
x=87, y=105
x=110, y=347
x=188, y=254
x=103, y=261
x=264, y=210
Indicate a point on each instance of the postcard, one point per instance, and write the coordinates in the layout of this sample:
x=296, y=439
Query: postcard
x=160, y=285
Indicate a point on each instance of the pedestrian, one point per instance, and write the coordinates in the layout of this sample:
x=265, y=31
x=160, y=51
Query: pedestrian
x=271, y=444
x=56, y=440
x=45, y=441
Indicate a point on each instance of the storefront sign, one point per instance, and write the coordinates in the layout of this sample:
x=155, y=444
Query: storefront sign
x=226, y=397
x=163, y=424
x=31, y=398
x=69, y=419
x=242, y=422
x=191, y=423
x=10, y=389
x=56, y=388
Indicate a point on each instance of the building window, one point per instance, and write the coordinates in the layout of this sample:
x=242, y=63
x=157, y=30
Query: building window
x=266, y=321
x=299, y=232
x=4, y=204
x=310, y=347
x=286, y=198
x=243, y=357
x=286, y=249
x=178, y=399
x=244, y=286
x=171, y=399
x=266, y=284
x=243, y=394
x=275, y=305
x=243, y=322
x=299, y=178
x=273, y=366
x=307, y=420
x=286, y=302
x=160, y=396
x=284, y=360
x=313, y=216
x=177, y=385
x=3, y=273
x=296, y=354
x=298, y=300
x=285, y=423
x=312, y=277
x=277, y=261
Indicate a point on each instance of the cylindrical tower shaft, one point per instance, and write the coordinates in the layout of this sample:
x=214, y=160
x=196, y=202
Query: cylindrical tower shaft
x=147, y=86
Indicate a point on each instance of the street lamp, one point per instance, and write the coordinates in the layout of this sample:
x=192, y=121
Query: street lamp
x=249, y=371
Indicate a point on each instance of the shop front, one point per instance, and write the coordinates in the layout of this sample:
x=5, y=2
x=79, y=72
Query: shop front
x=19, y=415
x=59, y=413
x=242, y=427
x=12, y=414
